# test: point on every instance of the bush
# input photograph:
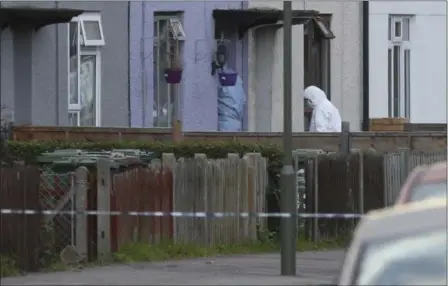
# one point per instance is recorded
(28, 151)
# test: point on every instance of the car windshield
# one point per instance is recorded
(429, 190)
(412, 260)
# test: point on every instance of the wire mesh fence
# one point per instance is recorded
(58, 229)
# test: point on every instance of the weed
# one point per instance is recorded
(8, 266)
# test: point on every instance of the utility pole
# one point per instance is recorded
(288, 181)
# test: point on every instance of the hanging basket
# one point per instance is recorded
(173, 75)
(227, 79)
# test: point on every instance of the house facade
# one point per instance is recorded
(407, 60)
(152, 99)
(333, 63)
(64, 63)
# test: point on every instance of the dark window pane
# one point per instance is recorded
(396, 83)
(389, 81)
(407, 82)
(398, 29)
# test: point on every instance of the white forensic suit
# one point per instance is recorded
(325, 116)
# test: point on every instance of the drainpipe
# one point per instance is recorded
(1, 33)
(56, 76)
(129, 65)
(142, 64)
(245, 115)
(365, 65)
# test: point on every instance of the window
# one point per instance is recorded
(176, 29)
(168, 36)
(317, 36)
(92, 30)
(85, 39)
(399, 60)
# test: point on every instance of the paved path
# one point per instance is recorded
(312, 268)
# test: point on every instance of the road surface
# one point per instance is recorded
(312, 268)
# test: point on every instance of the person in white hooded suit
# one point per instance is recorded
(325, 116)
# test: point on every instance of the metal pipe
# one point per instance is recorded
(365, 64)
(56, 70)
(129, 67)
(142, 64)
(288, 194)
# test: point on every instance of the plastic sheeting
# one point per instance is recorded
(231, 100)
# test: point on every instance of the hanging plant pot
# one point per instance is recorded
(227, 79)
(173, 75)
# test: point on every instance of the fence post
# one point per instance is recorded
(345, 138)
(405, 164)
(103, 205)
(169, 161)
(253, 159)
(81, 185)
(201, 163)
(361, 181)
(316, 199)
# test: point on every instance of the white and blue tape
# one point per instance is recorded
(180, 214)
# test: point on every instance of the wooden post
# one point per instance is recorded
(81, 177)
(103, 205)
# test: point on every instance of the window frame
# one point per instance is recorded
(78, 114)
(83, 50)
(172, 90)
(91, 17)
(405, 47)
(175, 22)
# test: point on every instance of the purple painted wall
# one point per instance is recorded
(198, 89)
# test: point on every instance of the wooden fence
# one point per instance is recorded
(142, 189)
(225, 185)
(20, 234)
(380, 141)
(341, 184)
(190, 185)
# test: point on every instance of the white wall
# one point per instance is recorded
(428, 58)
(266, 94)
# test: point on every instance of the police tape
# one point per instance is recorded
(179, 214)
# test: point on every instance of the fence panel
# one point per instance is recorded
(55, 193)
(233, 184)
(337, 192)
(398, 165)
(20, 234)
(142, 189)
(373, 181)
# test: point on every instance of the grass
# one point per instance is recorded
(168, 250)
(8, 267)
(138, 252)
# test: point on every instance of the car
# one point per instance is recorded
(424, 182)
(401, 245)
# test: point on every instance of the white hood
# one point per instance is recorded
(326, 117)
(315, 95)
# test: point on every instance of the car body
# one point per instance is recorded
(401, 245)
(424, 182)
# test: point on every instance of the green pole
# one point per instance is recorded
(288, 181)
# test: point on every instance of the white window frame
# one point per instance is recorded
(172, 21)
(403, 45)
(77, 112)
(84, 50)
(177, 28)
(91, 18)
